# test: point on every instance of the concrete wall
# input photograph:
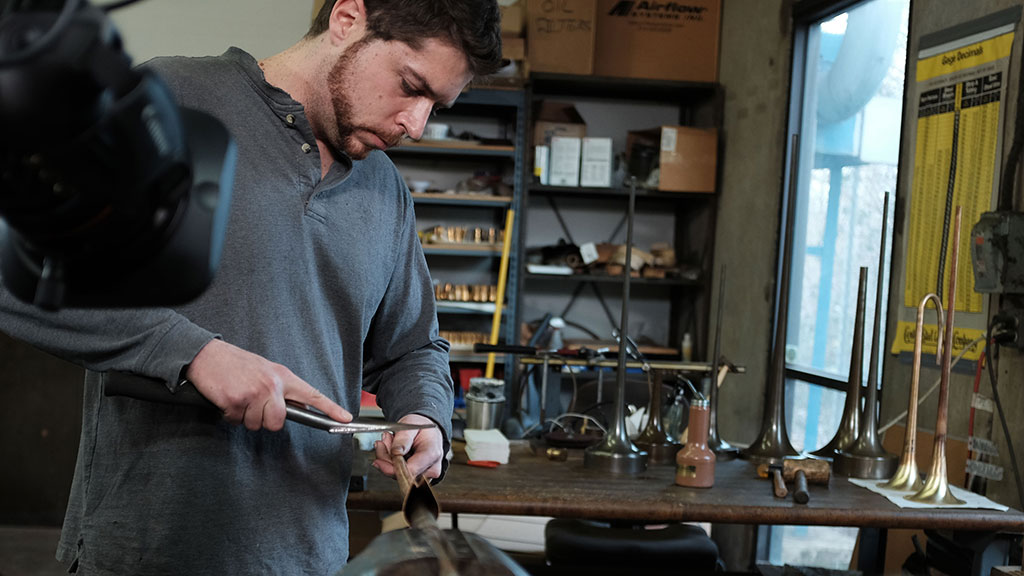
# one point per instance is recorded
(202, 27)
(754, 72)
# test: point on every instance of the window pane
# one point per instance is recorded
(849, 151)
(820, 546)
(850, 116)
(816, 414)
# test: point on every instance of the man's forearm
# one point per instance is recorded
(156, 342)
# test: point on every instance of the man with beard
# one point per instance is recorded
(322, 291)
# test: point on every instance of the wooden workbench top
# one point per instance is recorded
(532, 485)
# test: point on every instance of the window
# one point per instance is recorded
(847, 107)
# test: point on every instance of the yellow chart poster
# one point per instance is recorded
(960, 91)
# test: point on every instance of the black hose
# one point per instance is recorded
(1002, 417)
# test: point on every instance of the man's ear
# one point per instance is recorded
(346, 17)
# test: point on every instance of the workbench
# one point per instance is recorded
(532, 485)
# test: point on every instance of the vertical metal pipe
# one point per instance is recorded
(720, 447)
(866, 458)
(616, 453)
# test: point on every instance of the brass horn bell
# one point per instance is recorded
(936, 486)
(907, 478)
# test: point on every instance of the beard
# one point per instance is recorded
(341, 85)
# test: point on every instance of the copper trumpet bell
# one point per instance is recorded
(907, 478)
(936, 486)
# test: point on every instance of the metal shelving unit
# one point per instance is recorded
(616, 280)
(504, 109)
(452, 149)
(700, 104)
(439, 199)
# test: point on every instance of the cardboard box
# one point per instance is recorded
(541, 156)
(658, 40)
(513, 48)
(687, 158)
(596, 163)
(565, 161)
(560, 35)
(556, 119)
(513, 18)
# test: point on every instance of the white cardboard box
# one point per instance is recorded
(596, 166)
(541, 155)
(565, 161)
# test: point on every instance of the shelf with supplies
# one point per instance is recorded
(616, 192)
(454, 199)
(488, 251)
(465, 176)
(545, 84)
(453, 148)
(616, 280)
(633, 127)
(471, 358)
(445, 307)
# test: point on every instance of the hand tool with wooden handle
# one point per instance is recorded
(778, 485)
(800, 494)
(803, 471)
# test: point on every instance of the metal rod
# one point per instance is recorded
(617, 453)
(720, 447)
(561, 221)
(544, 390)
(866, 458)
(604, 306)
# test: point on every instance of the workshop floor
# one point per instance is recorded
(29, 551)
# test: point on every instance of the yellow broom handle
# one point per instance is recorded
(506, 249)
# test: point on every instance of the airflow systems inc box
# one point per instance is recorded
(659, 40)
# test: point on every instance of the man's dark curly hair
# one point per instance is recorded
(473, 26)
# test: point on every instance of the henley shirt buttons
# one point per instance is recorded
(306, 147)
(290, 118)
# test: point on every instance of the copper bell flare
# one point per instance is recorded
(936, 486)
(907, 478)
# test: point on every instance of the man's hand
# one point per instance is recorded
(252, 390)
(424, 444)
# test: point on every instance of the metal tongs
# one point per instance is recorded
(313, 419)
(153, 390)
